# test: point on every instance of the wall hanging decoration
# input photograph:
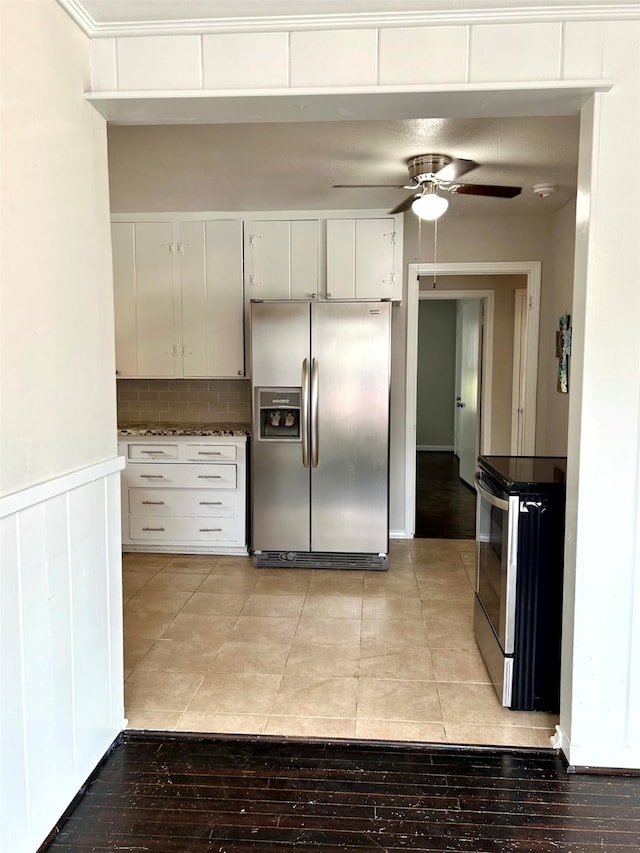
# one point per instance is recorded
(563, 351)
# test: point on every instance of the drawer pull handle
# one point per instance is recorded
(209, 453)
(210, 503)
(153, 503)
(209, 476)
(155, 529)
(210, 530)
(152, 476)
(154, 452)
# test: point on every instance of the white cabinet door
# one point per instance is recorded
(124, 297)
(341, 258)
(225, 321)
(155, 321)
(304, 258)
(362, 259)
(374, 253)
(210, 255)
(268, 257)
(178, 298)
(282, 259)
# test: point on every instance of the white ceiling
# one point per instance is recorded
(276, 161)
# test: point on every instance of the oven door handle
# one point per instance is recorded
(499, 503)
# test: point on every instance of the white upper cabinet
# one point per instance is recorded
(281, 259)
(364, 258)
(178, 298)
(212, 303)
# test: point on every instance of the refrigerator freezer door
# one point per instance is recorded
(350, 343)
(280, 482)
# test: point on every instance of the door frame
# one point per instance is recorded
(532, 270)
(518, 371)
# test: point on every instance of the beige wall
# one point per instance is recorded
(436, 368)
(557, 298)
(546, 238)
(57, 358)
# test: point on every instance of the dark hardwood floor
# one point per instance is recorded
(445, 506)
(173, 794)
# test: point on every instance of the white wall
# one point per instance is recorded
(61, 627)
(600, 701)
(58, 385)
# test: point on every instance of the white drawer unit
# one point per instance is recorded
(184, 494)
(182, 476)
(210, 452)
(185, 502)
(188, 530)
(148, 452)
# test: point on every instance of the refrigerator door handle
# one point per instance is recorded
(304, 413)
(314, 412)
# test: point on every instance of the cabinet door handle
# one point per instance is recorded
(152, 476)
(209, 453)
(209, 476)
(153, 503)
(154, 452)
(210, 503)
(154, 529)
(210, 530)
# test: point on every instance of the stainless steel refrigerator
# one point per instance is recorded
(320, 434)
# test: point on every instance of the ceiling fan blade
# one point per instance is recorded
(484, 189)
(404, 205)
(364, 186)
(455, 169)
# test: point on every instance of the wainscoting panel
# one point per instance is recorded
(61, 684)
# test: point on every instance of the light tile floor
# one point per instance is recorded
(213, 644)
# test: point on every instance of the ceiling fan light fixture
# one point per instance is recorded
(429, 206)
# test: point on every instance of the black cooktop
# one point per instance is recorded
(522, 472)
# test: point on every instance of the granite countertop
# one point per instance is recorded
(218, 429)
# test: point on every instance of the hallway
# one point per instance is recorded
(214, 645)
(445, 505)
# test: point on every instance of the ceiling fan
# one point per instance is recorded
(430, 173)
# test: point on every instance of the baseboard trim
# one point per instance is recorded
(398, 534)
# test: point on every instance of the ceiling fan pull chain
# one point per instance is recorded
(435, 250)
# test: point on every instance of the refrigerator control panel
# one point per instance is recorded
(279, 413)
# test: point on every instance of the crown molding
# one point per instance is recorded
(491, 12)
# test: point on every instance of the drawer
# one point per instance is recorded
(153, 451)
(179, 476)
(166, 528)
(184, 502)
(202, 452)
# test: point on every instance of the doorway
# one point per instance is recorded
(448, 415)
(494, 428)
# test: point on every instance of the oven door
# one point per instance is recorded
(497, 552)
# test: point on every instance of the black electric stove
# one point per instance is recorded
(516, 474)
(518, 606)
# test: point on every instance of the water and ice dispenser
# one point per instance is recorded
(279, 413)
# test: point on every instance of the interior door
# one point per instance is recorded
(469, 319)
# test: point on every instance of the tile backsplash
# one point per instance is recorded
(183, 400)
